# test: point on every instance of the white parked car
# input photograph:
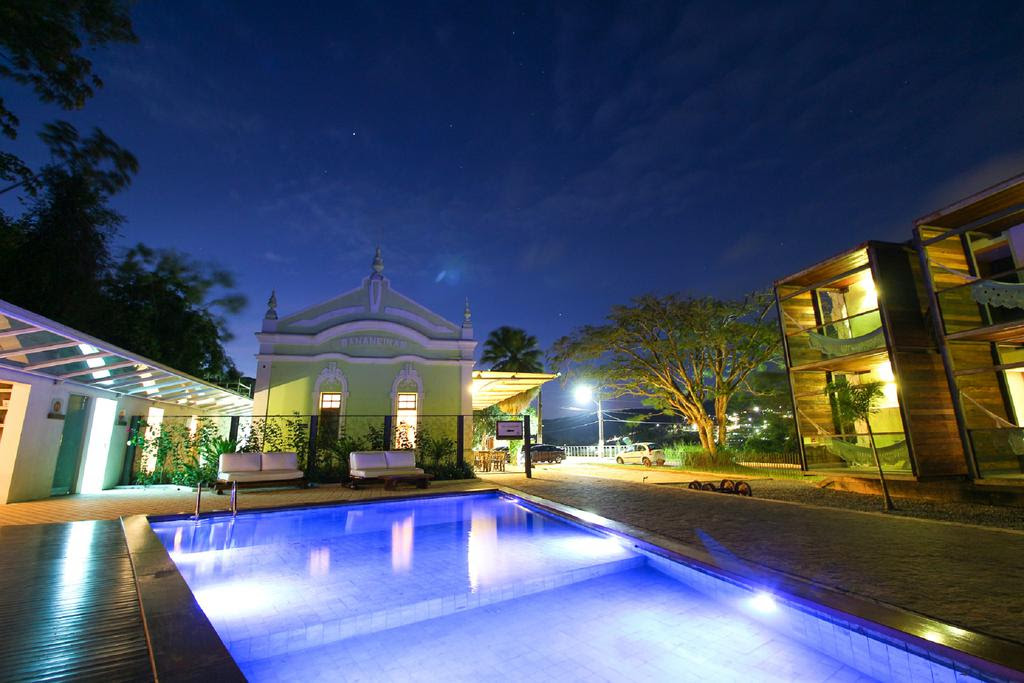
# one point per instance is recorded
(642, 454)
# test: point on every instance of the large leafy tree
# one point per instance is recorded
(57, 260)
(688, 356)
(510, 349)
(55, 257)
(42, 46)
(172, 309)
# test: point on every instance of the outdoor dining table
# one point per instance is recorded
(489, 461)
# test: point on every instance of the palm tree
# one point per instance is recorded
(855, 402)
(510, 349)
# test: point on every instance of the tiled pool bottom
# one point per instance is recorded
(634, 625)
(476, 585)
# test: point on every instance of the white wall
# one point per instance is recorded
(28, 455)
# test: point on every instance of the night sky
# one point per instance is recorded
(546, 162)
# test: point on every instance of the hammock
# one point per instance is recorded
(833, 347)
(895, 455)
(1004, 294)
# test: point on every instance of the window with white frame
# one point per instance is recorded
(405, 420)
(330, 412)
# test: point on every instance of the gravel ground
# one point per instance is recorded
(966, 513)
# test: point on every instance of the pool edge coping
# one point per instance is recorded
(182, 642)
(989, 654)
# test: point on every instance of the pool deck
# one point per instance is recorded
(71, 610)
(964, 575)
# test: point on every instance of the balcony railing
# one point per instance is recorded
(858, 333)
(979, 303)
(609, 451)
(853, 451)
(999, 452)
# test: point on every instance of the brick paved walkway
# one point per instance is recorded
(964, 575)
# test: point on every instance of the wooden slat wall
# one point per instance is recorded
(900, 289)
(959, 310)
(931, 420)
(814, 410)
(983, 387)
(798, 314)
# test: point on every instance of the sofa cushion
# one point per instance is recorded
(377, 472)
(401, 458)
(279, 461)
(264, 475)
(363, 460)
(239, 462)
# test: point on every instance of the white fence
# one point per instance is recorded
(609, 451)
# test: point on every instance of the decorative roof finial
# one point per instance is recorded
(378, 264)
(272, 306)
(467, 315)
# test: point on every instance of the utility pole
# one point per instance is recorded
(540, 416)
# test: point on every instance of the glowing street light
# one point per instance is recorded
(585, 394)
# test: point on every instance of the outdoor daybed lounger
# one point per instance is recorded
(391, 467)
(259, 469)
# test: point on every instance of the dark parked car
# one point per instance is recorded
(542, 452)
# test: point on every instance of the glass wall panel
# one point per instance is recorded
(845, 337)
(831, 443)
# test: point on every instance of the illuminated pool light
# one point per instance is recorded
(763, 603)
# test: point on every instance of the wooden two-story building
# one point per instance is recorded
(939, 321)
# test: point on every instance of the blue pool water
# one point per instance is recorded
(474, 587)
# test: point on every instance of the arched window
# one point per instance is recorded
(406, 411)
(330, 392)
(330, 413)
(406, 392)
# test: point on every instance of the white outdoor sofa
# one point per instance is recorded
(259, 469)
(391, 467)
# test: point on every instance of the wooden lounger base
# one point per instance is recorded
(221, 485)
(391, 481)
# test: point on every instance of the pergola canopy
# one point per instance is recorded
(490, 387)
(39, 346)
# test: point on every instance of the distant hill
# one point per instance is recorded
(637, 424)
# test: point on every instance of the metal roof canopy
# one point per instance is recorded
(490, 387)
(42, 347)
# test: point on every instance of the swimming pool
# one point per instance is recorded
(486, 585)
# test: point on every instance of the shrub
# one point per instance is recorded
(430, 450)
(180, 455)
(448, 470)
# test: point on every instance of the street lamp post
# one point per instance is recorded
(585, 394)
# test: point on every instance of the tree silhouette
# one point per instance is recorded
(510, 349)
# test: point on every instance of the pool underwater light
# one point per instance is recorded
(763, 603)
